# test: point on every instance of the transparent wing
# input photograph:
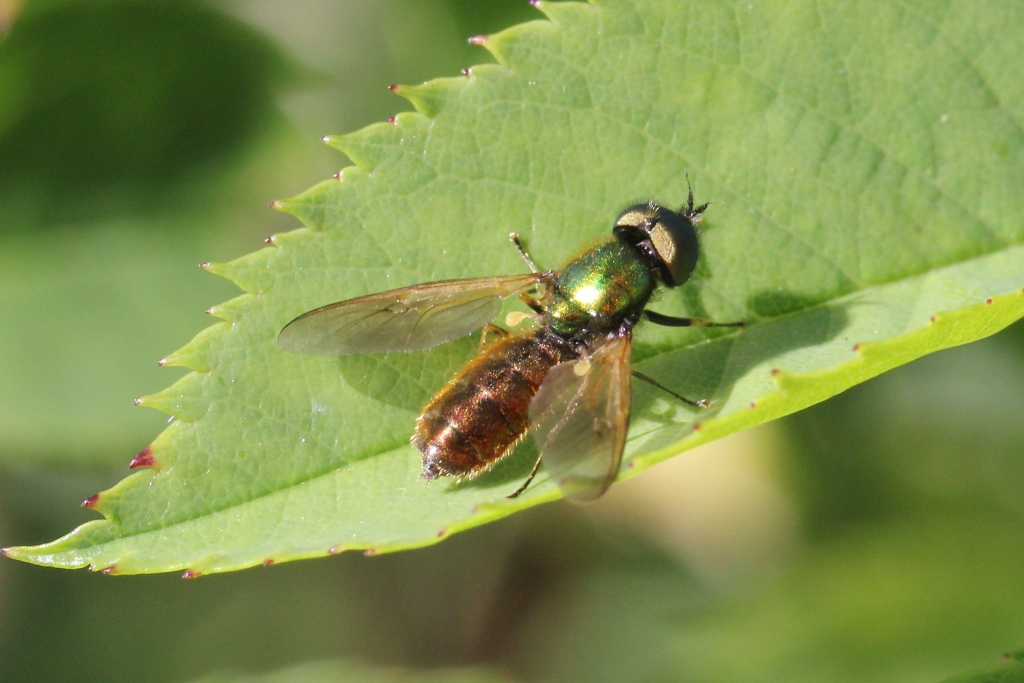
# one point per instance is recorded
(580, 417)
(408, 319)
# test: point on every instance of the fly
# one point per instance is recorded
(568, 379)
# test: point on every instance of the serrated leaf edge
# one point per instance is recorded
(873, 359)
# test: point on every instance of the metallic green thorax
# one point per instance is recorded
(598, 290)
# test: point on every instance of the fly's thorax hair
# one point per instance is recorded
(666, 239)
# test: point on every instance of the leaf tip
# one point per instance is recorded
(191, 574)
(109, 571)
(144, 458)
(479, 40)
(427, 98)
(267, 562)
(247, 273)
(284, 205)
(334, 550)
(183, 357)
(370, 552)
(540, 6)
(91, 502)
(215, 268)
(194, 355)
(442, 533)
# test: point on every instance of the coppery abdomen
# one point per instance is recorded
(483, 411)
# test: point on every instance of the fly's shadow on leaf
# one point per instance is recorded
(711, 370)
(406, 380)
(777, 303)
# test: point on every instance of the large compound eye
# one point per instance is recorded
(638, 217)
(675, 241)
(671, 235)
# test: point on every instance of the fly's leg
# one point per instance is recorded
(515, 318)
(534, 305)
(514, 236)
(491, 328)
(672, 321)
(542, 288)
(702, 403)
(525, 484)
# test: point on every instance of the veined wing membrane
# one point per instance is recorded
(580, 417)
(408, 319)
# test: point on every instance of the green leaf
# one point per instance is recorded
(139, 79)
(340, 671)
(1010, 671)
(866, 161)
(80, 345)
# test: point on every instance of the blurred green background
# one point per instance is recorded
(875, 537)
